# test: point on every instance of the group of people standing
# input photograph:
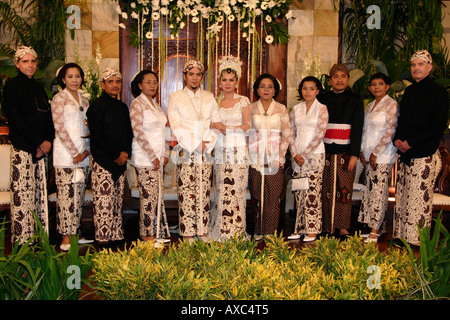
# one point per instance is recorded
(225, 145)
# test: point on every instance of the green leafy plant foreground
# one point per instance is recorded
(36, 271)
(331, 269)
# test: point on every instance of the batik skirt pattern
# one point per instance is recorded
(309, 205)
(228, 217)
(150, 189)
(194, 194)
(108, 200)
(337, 192)
(414, 197)
(28, 195)
(266, 199)
(69, 200)
(374, 204)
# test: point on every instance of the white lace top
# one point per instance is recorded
(380, 123)
(235, 138)
(70, 127)
(270, 135)
(308, 130)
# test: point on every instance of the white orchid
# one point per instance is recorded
(134, 15)
(155, 16)
(289, 14)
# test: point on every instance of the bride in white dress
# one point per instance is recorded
(230, 168)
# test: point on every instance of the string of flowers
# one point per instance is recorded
(181, 12)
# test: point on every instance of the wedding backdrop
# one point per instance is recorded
(162, 35)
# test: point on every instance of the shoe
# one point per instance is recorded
(364, 235)
(294, 236)
(84, 241)
(369, 240)
(308, 239)
(65, 247)
(159, 240)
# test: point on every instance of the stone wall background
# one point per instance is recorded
(314, 44)
(99, 26)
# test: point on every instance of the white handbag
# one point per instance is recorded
(78, 175)
(300, 183)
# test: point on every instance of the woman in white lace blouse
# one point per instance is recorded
(228, 218)
(70, 150)
(378, 154)
(150, 153)
(309, 121)
(268, 143)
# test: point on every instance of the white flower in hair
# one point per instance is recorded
(231, 62)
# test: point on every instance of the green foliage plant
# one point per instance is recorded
(36, 271)
(330, 269)
(433, 263)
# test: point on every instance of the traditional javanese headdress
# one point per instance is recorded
(230, 62)
(423, 55)
(339, 67)
(109, 72)
(22, 51)
(193, 64)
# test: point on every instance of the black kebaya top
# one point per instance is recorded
(29, 114)
(110, 132)
(423, 118)
(345, 122)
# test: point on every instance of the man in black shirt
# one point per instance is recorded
(342, 145)
(31, 132)
(422, 120)
(110, 141)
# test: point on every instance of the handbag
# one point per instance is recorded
(78, 175)
(300, 183)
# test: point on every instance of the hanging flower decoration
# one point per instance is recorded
(142, 13)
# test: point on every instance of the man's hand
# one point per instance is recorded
(403, 146)
(352, 163)
(122, 159)
(43, 149)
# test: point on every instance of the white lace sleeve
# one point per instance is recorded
(58, 121)
(136, 118)
(321, 128)
(391, 125)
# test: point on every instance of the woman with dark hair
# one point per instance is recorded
(378, 154)
(150, 153)
(228, 214)
(309, 120)
(70, 151)
(268, 143)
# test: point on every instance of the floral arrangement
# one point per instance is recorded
(179, 13)
(91, 88)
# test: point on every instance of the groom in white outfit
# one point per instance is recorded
(191, 111)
